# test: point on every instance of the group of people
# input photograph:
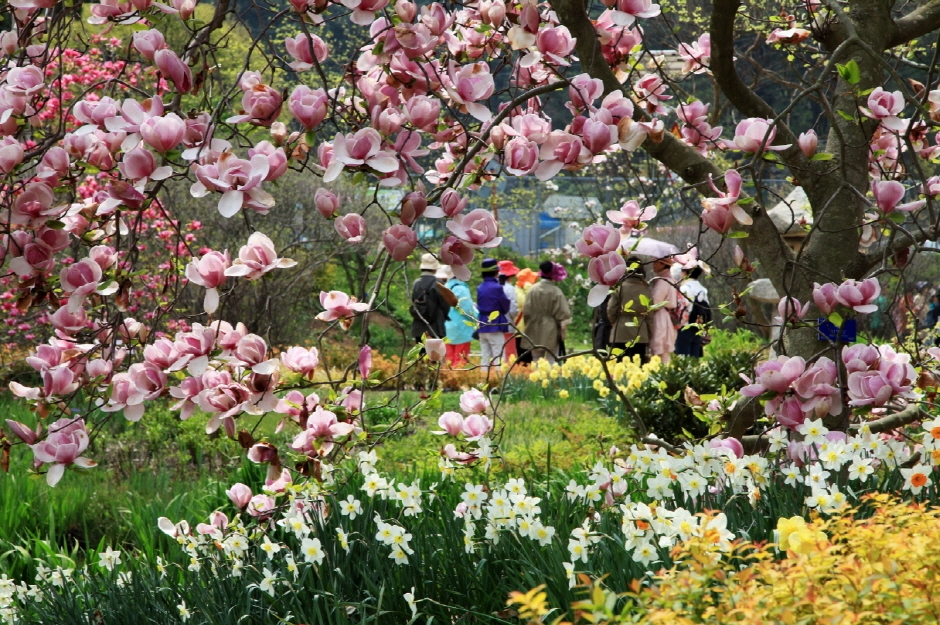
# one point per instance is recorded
(518, 313)
(659, 317)
(521, 314)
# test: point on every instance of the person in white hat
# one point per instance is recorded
(429, 308)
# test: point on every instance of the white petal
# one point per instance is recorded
(479, 111)
(211, 302)
(55, 474)
(231, 202)
(597, 295)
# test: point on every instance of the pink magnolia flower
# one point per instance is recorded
(139, 165)
(322, 431)
(458, 255)
(606, 270)
(720, 213)
(476, 426)
(365, 361)
(277, 159)
(11, 154)
(808, 142)
(869, 388)
(789, 36)
(80, 280)
(25, 434)
(520, 156)
(696, 55)
(467, 84)
(300, 360)
(775, 376)
(754, 132)
(400, 241)
(627, 11)
(58, 381)
(362, 148)
(584, 90)
(887, 195)
(630, 216)
(555, 44)
(224, 402)
(34, 206)
(364, 10)
(209, 272)
(412, 207)
(257, 258)
(327, 202)
(24, 81)
(147, 42)
(66, 441)
(474, 402)
(733, 445)
(562, 150)
(819, 388)
(859, 296)
(305, 49)
(450, 423)
(598, 134)
(435, 349)
(652, 93)
(825, 297)
(422, 111)
(240, 495)
(351, 227)
(163, 133)
(125, 396)
(477, 229)
(173, 68)
(789, 412)
(598, 239)
(261, 106)
(338, 305)
(885, 106)
(261, 506)
(308, 106)
(789, 309)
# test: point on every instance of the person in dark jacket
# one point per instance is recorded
(429, 309)
(627, 310)
(690, 338)
(491, 298)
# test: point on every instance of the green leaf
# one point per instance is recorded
(822, 156)
(55, 224)
(850, 72)
(897, 218)
(745, 201)
(845, 115)
(835, 319)
(493, 315)
(737, 235)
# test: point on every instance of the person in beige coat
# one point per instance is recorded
(546, 315)
(630, 329)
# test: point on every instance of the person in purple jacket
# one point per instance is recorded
(491, 299)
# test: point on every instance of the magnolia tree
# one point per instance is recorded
(436, 101)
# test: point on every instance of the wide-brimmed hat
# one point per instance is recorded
(507, 268)
(444, 273)
(526, 277)
(489, 264)
(429, 263)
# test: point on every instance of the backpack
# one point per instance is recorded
(422, 309)
(681, 313)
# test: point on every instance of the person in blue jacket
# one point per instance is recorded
(491, 298)
(461, 321)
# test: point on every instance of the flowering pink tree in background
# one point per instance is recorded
(437, 100)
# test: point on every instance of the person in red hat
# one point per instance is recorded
(507, 272)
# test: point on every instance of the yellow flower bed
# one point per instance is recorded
(628, 374)
(840, 571)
